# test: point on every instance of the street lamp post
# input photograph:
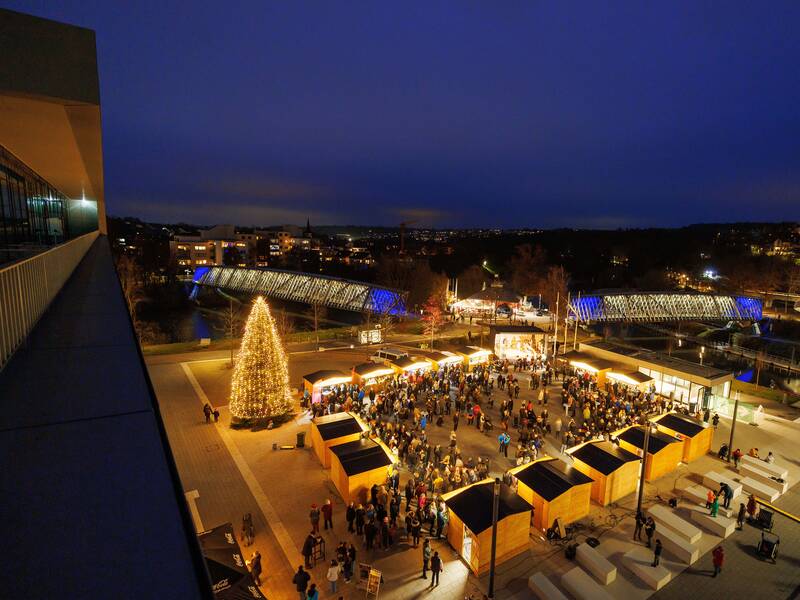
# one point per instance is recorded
(644, 464)
(733, 425)
(495, 511)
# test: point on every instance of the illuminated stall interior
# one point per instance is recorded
(517, 341)
(473, 355)
(331, 430)
(371, 374)
(444, 359)
(583, 362)
(411, 365)
(664, 452)
(469, 529)
(319, 383)
(697, 436)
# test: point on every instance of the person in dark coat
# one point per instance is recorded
(637, 531)
(649, 530)
(350, 515)
(657, 553)
(369, 533)
(255, 567)
(436, 568)
(300, 581)
(308, 548)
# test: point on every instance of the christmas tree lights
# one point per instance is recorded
(260, 383)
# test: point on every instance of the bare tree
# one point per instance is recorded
(232, 322)
(131, 280)
(316, 313)
(283, 323)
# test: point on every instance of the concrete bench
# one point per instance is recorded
(676, 545)
(720, 525)
(712, 480)
(543, 588)
(597, 564)
(772, 469)
(664, 517)
(699, 494)
(762, 490)
(582, 587)
(765, 477)
(639, 562)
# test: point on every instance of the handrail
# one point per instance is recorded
(28, 286)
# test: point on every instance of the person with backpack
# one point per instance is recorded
(300, 581)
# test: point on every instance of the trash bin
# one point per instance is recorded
(301, 439)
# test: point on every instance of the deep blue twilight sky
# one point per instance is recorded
(540, 114)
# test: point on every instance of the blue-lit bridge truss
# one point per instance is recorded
(664, 306)
(308, 288)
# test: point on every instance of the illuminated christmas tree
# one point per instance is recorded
(260, 384)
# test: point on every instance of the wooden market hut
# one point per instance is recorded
(555, 490)
(615, 471)
(469, 529)
(357, 466)
(597, 367)
(697, 436)
(318, 382)
(369, 374)
(331, 430)
(443, 358)
(473, 355)
(664, 452)
(410, 365)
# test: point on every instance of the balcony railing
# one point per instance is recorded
(27, 288)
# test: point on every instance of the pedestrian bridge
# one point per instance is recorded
(652, 307)
(308, 288)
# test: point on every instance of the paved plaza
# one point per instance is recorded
(237, 471)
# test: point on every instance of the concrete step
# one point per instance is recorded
(676, 546)
(712, 479)
(772, 469)
(639, 561)
(582, 587)
(665, 518)
(697, 495)
(543, 588)
(762, 490)
(765, 477)
(596, 564)
(720, 525)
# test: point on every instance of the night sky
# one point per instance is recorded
(503, 114)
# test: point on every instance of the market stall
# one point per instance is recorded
(469, 529)
(517, 341)
(555, 490)
(230, 579)
(615, 471)
(626, 376)
(319, 383)
(697, 436)
(664, 452)
(586, 363)
(371, 374)
(357, 466)
(473, 355)
(443, 359)
(411, 365)
(331, 430)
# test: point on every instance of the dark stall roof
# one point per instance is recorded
(323, 375)
(551, 478)
(684, 425)
(473, 505)
(368, 367)
(603, 456)
(361, 456)
(658, 441)
(335, 426)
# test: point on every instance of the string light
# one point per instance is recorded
(260, 383)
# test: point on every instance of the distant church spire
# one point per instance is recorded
(308, 227)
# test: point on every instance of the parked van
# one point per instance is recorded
(385, 355)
